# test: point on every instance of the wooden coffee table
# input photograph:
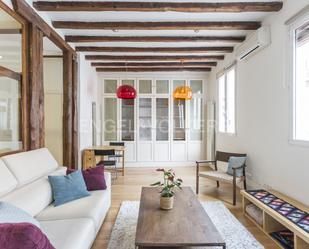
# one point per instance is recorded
(187, 224)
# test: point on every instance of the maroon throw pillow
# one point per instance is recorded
(94, 178)
(23, 236)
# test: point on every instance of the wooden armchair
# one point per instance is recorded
(220, 176)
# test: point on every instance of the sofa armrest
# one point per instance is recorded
(108, 179)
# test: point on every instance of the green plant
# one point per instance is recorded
(169, 183)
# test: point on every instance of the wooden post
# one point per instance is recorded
(75, 115)
(36, 88)
(67, 108)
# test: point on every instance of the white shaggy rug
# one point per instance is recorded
(232, 231)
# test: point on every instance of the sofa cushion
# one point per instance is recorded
(23, 235)
(70, 233)
(33, 197)
(11, 214)
(7, 181)
(68, 188)
(94, 207)
(31, 165)
(94, 178)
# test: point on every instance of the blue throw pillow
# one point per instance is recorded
(235, 162)
(12, 214)
(68, 188)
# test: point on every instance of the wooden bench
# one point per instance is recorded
(273, 221)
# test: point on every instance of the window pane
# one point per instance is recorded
(110, 86)
(179, 120)
(145, 86)
(162, 119)
(145, 120)
(127, 82)
(302, 83)
(196, 86)
(178, 83)
(110, 119)
(230, 101)
(162, 86)
(222, 104)
(11, 44)
(196, 121)
(10, 115)
(127, 116)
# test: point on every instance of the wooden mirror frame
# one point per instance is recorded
(22, 77)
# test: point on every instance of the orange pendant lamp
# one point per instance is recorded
(182, 92)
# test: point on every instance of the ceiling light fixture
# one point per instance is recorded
(115, 30)
(1, 56)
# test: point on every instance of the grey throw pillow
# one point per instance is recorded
(235, 162)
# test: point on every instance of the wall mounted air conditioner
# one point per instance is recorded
(254, 43)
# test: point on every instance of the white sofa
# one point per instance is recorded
(24, 183)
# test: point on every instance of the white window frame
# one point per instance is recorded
(224, 74)
(293, 25)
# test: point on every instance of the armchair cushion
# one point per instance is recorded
(236, 162)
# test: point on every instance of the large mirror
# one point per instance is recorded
(10, 84)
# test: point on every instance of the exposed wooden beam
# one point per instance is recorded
(158, 6)
(158, 25)
(154, 64)
(154, 69)
(181, 58)
(226, 39)
(10, 31)
(5, 72)
(157, 49)
(28, 13)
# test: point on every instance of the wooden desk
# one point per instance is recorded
(89, 158)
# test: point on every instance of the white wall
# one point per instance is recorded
(88, 93)
(53, 104)
(263, 109)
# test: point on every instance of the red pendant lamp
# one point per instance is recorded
(126, 92)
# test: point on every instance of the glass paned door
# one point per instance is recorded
(127, 82)
(127, 119)
(145, 119)
(178, 83)
(196, 86)
(196, 119)
(162, 86)
(179, 123)
(145, 86)
(110, 119)
(110, 86)
(162, 119)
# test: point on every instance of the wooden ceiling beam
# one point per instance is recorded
(154, 64)
(158, 6)
(226, 39)
(153, 69)
(181, 58)
(157, 49)
(157, 25)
